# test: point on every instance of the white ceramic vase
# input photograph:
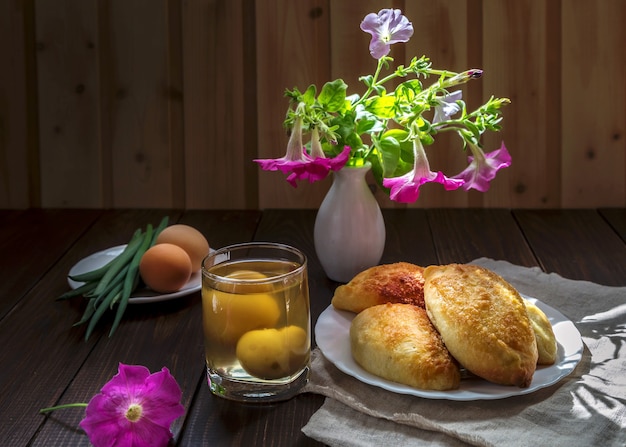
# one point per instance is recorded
(349, 232)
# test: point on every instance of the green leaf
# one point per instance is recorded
(309, 95)
(398, 134)
(353, 140)
(427, 139)
(368, 80)
(367, 125)
(333, 95)
(382, 106)
(377, 170)
(408, 90)
(390, 149)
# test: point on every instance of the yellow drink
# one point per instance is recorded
(256, 325)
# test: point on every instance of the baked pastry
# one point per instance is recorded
(483, 321)
(544, 334)
(401, 282)
(398, 342)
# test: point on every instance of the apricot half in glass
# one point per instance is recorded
(227, 316)
(273, 353)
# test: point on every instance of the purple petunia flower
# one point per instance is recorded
(405, 189)
(483, 167)
(447, 106)
(387, 27)
(135, 408)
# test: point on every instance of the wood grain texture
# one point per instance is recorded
(68, 90)
(516, 39)
(292, 51)
(215, 105)
(50, 337)
(137, 103)
(616, 217)
(594, 67)
(468, 234)
(563, 238)
(29, 242)
(442, 31)
(143, 97)
(50, 363)
(16, 166)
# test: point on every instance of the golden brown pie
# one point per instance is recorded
(401, 282)
(544, 334)
(399, 343)
(483, 321)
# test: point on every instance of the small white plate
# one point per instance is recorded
(101, 258)
(332, 333)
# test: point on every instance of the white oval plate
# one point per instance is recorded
(332, 333)
(101, 258)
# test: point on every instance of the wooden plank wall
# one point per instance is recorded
(164, 103)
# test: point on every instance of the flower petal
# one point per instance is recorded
(316, 145)
(405, 189)
(128, 380)
(338, 162)
(102, 421)
(308, 168)
(161, 404)
(387, 27)
(145, 434)
(399, 27)
(158, 395)
(279, 164)
(483, 168)
(447, 106)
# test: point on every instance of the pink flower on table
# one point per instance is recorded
(483, 167)
(405, 189)
(387, 27)
(135, 408)
(297, 164)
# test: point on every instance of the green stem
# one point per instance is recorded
(59, 407)
(376, 82)
(371, 87)
(387, 79)
(446, 73)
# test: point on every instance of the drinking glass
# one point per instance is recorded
(256, 321)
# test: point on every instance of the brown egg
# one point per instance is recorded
(165, 268)
(187, 238)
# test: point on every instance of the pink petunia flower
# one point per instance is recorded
(294, 155)
(387, 27)
(135, 408)
(298, 165)
(314, 169)
(405, 189)
(483, 167)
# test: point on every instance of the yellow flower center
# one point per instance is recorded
(133, 414)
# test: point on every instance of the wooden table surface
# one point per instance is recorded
(45, 361)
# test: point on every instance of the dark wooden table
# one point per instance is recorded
(45, 361)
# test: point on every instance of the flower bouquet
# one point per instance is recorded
(390, 129)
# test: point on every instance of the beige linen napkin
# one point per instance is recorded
(586, 408)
